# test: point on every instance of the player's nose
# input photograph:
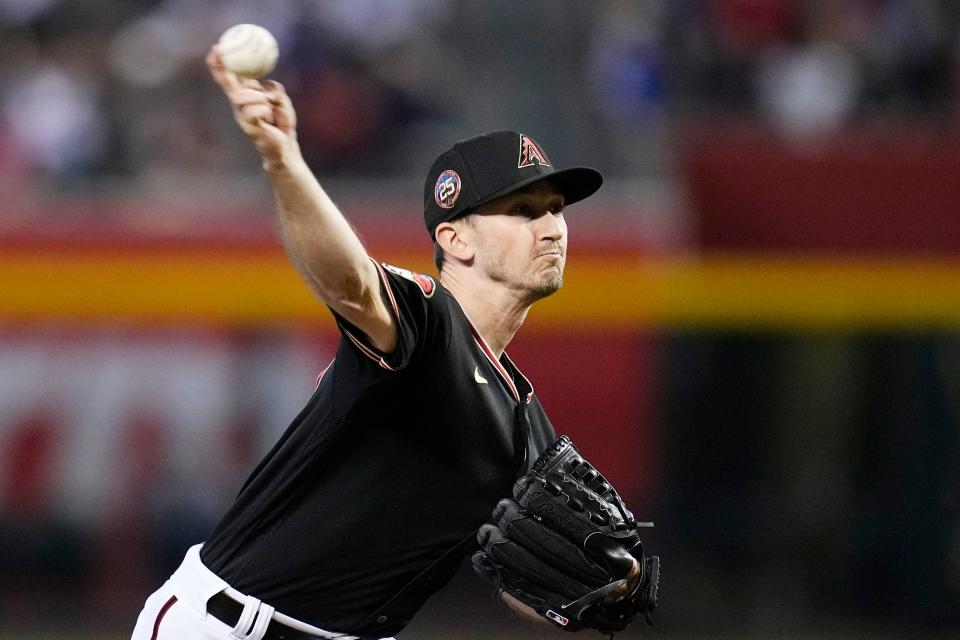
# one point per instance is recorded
(551, 226)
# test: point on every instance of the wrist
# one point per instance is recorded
(283, 162)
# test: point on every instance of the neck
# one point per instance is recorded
(495, 311)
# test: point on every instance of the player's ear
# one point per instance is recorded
(454, 242)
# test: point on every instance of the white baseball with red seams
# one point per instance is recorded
(248, 50)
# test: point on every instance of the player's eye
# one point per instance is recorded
(522, 209)
(556, 209)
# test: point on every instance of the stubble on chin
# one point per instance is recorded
(543, 284)
(547, 285)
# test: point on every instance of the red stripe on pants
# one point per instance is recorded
(163, 612)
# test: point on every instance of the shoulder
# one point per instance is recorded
(426, 284)
(422, 305)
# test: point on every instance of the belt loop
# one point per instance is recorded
(264, 617)
(250, 608)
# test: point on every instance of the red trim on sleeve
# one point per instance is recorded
(364, 349)
(367, 351)
(386, 282)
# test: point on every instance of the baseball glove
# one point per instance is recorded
(565, 543)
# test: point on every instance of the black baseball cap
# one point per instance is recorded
(485, 167)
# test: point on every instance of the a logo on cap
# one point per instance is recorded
(531, 154)
(446, 189)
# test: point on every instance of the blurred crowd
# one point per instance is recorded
(116, 90)
(805, 476)
(811, 66)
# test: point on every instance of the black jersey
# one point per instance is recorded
(393, 462)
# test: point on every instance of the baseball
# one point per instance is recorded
(248, 50)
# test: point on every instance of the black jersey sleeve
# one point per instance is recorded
(408, 298)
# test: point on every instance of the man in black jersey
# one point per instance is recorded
(336, 533)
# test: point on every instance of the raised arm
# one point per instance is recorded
(319, 240)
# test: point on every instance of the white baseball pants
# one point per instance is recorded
(178, 610)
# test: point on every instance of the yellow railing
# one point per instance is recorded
(713, 291)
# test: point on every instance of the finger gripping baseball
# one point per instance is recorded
(568, 547)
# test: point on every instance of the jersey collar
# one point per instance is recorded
(527, 391)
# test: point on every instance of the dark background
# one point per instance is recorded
(758, 341)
